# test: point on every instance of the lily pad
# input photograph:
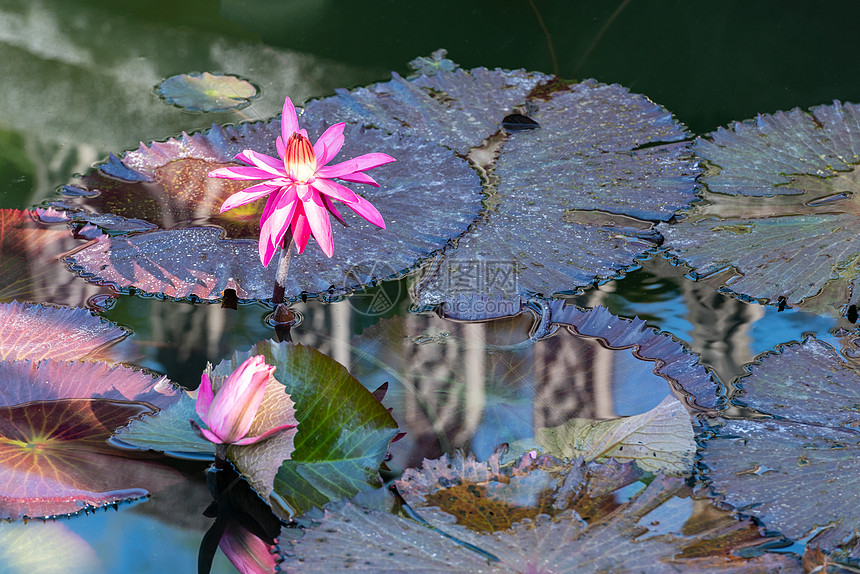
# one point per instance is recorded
(537, 516)
(797, 472)
(207, 92)
(30, 266)
(40, 547)
(778, 220)
(343, 431)
(33, 331)
(573, 202)
(165, 186)
(55, 419)
(658, 440)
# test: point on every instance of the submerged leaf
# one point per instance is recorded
(537, 516)
(343, 432)
(32, 331)
(30, 266)
(778, 220)
(207, 92)
(164, 185)
(797, 472)
(39, 547)
(660, 439)
(574, 202)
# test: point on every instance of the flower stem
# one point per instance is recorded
(283, 267)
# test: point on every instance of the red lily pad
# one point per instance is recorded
(164, 186)
(207, 92)
(72, 333)
(536, 516)
(778, 221)
(55, 419)
(30, 262)
(797, 471)
(574, 202)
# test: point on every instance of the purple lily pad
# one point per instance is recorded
(30, 266)
(574, 202)
(458, 109)
(207, 92)
(536, 516)
(797, 472)
(164, 186)
(778, 220)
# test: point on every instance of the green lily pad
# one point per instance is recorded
(343, 431)
(535, 516)
(778, 220)
(797, 471)
(207, 92)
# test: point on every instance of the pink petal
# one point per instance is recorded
(248, 553)
(268, 433)
(236, 403)
(335, 190)
(320, 224)
(282, 216)
(266, 249)
(329, 144)
(289, 121)
(248, 195)
(329, 204)
(272, 166)
(211, 436)
(366, 210)
(359, 177)
(240, 172)
(301, 229)
(281, 147)
(350, 166)
(204, 397)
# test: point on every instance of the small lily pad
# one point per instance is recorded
(778, 220)
(797, 472)
(207, 92)
(164, 186)
(536, 516)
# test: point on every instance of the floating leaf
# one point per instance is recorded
(165, 184)
(797, 471)
(660, 439)
(537, 516)
(207, 92)
(30, 266)
(778, 218)
(169, 432)
(343, 431)
(32, 331)
(458, 109)
(575, 202)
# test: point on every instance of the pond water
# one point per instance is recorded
(79, 83)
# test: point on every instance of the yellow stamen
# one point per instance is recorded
(300, 159)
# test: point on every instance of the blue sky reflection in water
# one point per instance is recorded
(70, 96)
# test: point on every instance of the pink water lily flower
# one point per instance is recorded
(229, 412)
(300, 186)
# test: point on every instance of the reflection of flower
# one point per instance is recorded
(248, 553)
(303, 186)
(229, 413)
